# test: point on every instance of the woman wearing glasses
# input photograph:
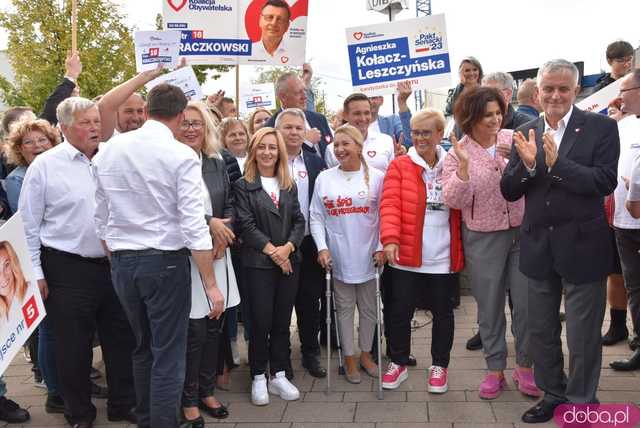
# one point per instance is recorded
(421, 238)
(204, 334)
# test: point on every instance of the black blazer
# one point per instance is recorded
(564, 228)
(231, 163)
(316, 120)
(258, 222)
(214, 173)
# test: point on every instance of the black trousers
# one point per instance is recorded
(310, 291)
(628, 242)
(81, 299)
(439, 290)
(203, 346)
(271, 298)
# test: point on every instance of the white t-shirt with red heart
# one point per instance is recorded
(378, 152)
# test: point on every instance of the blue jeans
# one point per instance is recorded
(47, 356)
(155, 290)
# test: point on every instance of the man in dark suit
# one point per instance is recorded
(564, 163)
(290, 90)
(304, 167)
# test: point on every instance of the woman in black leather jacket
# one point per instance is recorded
(204, 334)
(271, 226)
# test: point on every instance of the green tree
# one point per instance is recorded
(202, 72)
(40, 38)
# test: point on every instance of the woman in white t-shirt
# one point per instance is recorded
(271, 227)
(344, 224)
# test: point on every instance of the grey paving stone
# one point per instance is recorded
(424, 396)
(332, 425)
(510, 412)
(319, 412)
(392, 412)
(456, 412)
(351, 397)
(323, 397)
(247, 412)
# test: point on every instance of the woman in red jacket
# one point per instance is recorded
(421, 238)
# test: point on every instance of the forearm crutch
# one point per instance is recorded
(379, 326)
(327, 277)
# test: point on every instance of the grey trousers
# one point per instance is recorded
(584, 306)
(628, 241)
(492, 260)
(348, 296)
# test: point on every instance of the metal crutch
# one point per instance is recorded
(327, 277)
(379, 325)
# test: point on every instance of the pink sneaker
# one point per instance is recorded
(437, 380)
(394, 376)
(525, 382)
(491, 387)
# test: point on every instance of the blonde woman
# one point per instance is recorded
(258, 119)
(344, 225)
(13, 285)
(205, 343)
(271, 227)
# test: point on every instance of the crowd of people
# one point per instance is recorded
(154, 224)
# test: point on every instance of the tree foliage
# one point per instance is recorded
(40, 38)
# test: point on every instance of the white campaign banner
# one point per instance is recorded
(184, 78)
(21, 307)
(257, 95)
(239, 31)
(413, 50)
(598, 102)
(156, 47)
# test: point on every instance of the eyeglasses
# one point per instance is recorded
(622, 91)
(416, 134)
(40, 141)
(195, 124)
(274, 18)
(622, 60)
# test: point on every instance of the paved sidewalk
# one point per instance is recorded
(356, 406)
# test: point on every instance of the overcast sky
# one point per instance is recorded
(503, 34)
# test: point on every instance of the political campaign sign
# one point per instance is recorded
(21, 307)
(184, 78)
(412, 50)
(598, 102)
(258, 32)
(257, 95)
(156, 47)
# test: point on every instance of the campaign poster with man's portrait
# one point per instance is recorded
(259, 32)
(21, 307)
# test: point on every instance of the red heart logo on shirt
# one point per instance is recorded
(371, 153)
(177, 4)
(302, 174)
(284, 59)
(358, 35)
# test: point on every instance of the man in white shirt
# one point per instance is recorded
(57, 206)
(274, 22)
(627, 226)
(378, 150)
(149, 214)
(304, 167)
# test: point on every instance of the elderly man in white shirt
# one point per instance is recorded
(73, 273)
(150, 216)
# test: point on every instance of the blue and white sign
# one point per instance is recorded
(184, 78)
(256, 96)
(156, 47)
(598, 102)
(412, 50)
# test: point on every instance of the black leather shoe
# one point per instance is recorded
(634, 342)
(54, 404)
(474, 343)
(312, 364)
(215, 412)
(412, 362)
(192, 423)
(541, 412)
(98, 391)
(127, 415)
(632, 363)
(615, 335)
(11, 412)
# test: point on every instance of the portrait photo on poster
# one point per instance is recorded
(21, 306)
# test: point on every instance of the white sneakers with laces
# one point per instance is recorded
(259, 394)
(280, 385)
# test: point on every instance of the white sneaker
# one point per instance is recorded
(281, 386)
(259, 394)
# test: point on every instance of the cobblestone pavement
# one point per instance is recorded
(356, 406)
